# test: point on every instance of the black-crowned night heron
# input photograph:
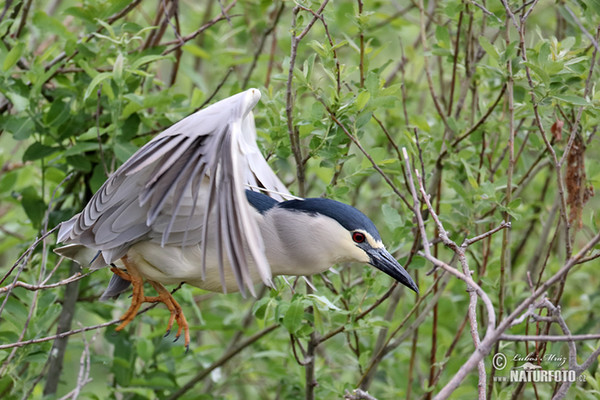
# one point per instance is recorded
(201, 190)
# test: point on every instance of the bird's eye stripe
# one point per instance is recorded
(358, 237)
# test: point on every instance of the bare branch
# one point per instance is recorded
(503, 225)
(60, 335)
(31, 287)
(180, 42)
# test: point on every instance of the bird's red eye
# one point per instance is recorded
(358, 237)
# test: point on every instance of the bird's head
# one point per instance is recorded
(344, 234)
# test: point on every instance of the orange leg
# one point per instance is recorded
(137, 281)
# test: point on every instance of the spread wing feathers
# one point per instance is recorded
(171, 188)
(256, 175)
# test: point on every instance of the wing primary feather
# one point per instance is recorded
(165, 193)
(196, 191)
(207, 210)
(249, 227)
(219, 252)
(149, 187)
(149, 154)
(237, 231)
(226, 229)
(228, 206)
(211, 199)
(176, 155)
(182, 186)
(235, 205)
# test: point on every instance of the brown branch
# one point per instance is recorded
(549, 338)
(289, 102)
(361, 36)
(214, 93)
(58, 336)
(23, 18)
(503, 225)
(28, 286)
(426, 50)
(260, 46)
(26, 254)
(178, 43)
(482, 119)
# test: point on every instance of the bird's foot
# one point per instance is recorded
(176, 311)
(137, 281)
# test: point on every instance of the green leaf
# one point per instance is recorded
(470, 176)
(81, 147)
(34, 206)
(539, 71)
(37, 151)
(21, 128)
(118, 68)
(147, 59)
(544, 54)
(13, 56)
(322, 301)
(95, 82)
(362, 99)
(144, 349)
(59, 112)
(196, 51)
(293, 317)
(80, 163)
(443, 36)
(98, 178)
(19, 102)
(392, 217)
(572, 99)
(363, 119)
(124, 150)
(52, 25)
(594, 5)
(489, 47)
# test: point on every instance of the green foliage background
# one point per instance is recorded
(84, 84)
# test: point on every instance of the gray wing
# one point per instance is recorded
(168, 190)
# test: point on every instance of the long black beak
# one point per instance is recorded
(383, 261)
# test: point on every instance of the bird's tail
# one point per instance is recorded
(82, 255)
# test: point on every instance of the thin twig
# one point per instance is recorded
(179, 42)
(28, 286)
(260, 46)
(60, 335)
(214, 93)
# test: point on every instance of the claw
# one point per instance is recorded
(137, 281)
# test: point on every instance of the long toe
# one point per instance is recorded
(176, 312)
